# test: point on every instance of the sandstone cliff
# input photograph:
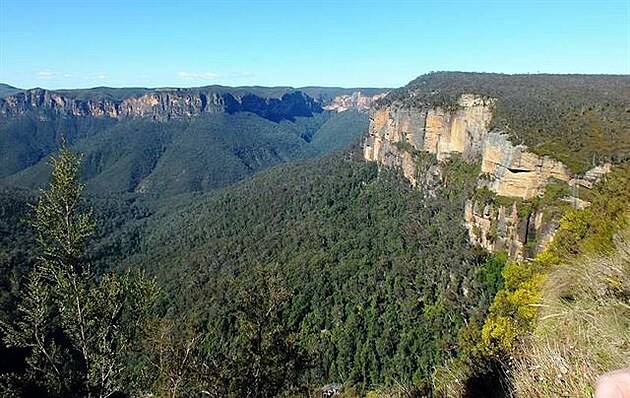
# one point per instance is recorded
(438, 131)
(398, 132)
(510, 170)
(162, 104)
(501, 228)
(356, 100)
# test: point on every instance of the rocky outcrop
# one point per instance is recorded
(398, 130)
(591, 176)
(390, 129)
(357, 101)
(400, 133)
(510, 170)
(462, 130)
(501, 228)
(162, 104)
(518, 229)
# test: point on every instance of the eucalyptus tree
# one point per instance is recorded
(79, 328)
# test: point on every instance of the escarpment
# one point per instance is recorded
(511, 170)
(162, 104)
(399, 133)
(398, 130)
(175, 140)
(357, 100)
(514, 228)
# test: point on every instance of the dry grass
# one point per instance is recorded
(583, 328)
(398, 391)
(450, 380)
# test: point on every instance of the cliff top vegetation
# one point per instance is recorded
(581, 120)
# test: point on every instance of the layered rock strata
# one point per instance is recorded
(357, 101)
(162, 104)
(398, 133)
(510, 170)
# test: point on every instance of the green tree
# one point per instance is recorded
(264, 358)
(79, 327)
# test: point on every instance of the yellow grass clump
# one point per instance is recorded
(583, 328)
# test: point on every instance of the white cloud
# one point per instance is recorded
(197, 75)
(94, 76)
(48, 74)
(240, 75)
(51, 74)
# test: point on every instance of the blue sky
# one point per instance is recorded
(71, 43)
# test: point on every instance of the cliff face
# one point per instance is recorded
(509, 170)
(162, 104)
(356, 100)
(395, 129)
(398, 132)
(518, 229)
(501, 228)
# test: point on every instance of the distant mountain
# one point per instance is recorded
(161, 104)
(326, 95)
(274, 103)
(6, 90)
(172, 140)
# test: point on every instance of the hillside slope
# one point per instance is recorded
(7, 90)
(381, 280)
(507, 124)
(552, 154)
(168, 141)
(376, 273)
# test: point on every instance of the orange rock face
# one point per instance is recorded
(438, 131)
(397, 132)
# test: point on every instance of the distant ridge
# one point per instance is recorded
(7, 90)
(320, 93)
(272, 103)
(172, 140)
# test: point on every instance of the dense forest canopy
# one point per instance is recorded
(231, 255)
(375, 273)
(346, 241)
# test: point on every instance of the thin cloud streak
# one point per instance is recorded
(211, 76)
(197, 75)
(49, 74)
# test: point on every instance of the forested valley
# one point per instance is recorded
(238, 254)
(316, 272)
